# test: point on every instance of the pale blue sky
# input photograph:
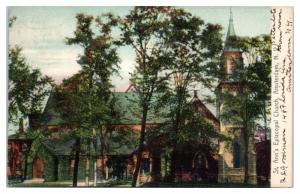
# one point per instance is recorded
(41, 32)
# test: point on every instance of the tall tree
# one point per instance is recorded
(143, 29)
(71, 99)
(99, 61)
(27, 87)
(193, 45)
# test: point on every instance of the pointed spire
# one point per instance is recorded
(230, 33)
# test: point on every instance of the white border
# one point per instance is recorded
(286, 13)
(3, 86)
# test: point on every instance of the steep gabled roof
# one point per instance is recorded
(126, 104)
(129, 109)
(59, 147)
(206, 112)
(51, 115)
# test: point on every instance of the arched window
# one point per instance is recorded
(236, 148)
(200, 161)
(145, 166)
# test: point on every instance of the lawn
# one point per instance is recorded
(69, 184)
(126, 184)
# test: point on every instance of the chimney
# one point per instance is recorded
(21, 126)
(131, 85)
(195, 94)
(34, 119)
(195, 97)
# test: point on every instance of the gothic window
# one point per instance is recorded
(145, 166)
(236, 148)
(229, 66)
(200, 161)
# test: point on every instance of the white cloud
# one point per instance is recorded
(62, 63)
(57, 63)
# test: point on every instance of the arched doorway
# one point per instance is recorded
(38, 169)
(205, 164)
(200, 166)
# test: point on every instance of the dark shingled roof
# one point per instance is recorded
(50, 115)
(59, 147)
(118, 143)
(18, 136)
(126, 105)
(64, 147)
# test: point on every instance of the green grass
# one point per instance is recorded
(146, 185)
(45, 184)
(69, 184)
(115, 184)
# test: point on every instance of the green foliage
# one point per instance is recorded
(83, 34)
(256, 78)
(234, 104)
(72, 99)
(144, 30)
(11, 21)
(193, 128)
(122, 141)
(85, 99)
(100, 59)
(194, 47)
(27, 87)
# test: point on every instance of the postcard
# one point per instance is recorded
(150, 96)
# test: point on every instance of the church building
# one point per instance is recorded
(198, 162)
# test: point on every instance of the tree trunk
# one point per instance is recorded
(141, 146)
(25, 167)
(103, 173)
(87, 163)
(246, 166)
(166, 166)
(176, 129)
(95, 173)
(75, 173)
(56, 164)
(246, 140)
(87, 170)
(173, 163)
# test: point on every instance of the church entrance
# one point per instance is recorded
(117, 167)
(200, 167)
(38, 169)
(204, 165)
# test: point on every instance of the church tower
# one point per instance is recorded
(231, 165)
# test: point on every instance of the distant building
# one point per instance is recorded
(18, 148)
